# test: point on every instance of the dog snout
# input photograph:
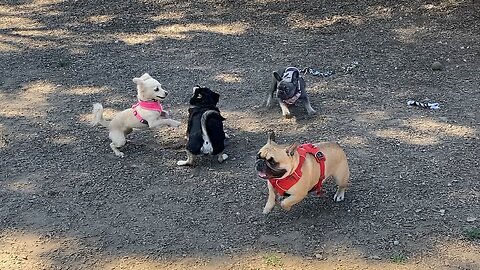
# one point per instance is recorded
(166, 93)
(282, 94)
(260, 165)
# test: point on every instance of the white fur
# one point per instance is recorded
(125, 121)
(207, 147)
(98, 113)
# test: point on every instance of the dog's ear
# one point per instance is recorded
(138, 81)
(292, 148)
(277, 76)
(145, 76)
(271, 137)
(195, 88)
(295, 76)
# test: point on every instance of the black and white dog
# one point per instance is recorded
(288, 89)
(205, 126)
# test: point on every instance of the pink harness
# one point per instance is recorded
(147, 105)
(293, 99)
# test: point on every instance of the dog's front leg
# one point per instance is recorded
(285, 110)
(163, 122)
(271, 199)
(273, 88)
(269, 101)
(291, 200)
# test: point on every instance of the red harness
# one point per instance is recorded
(281, 185)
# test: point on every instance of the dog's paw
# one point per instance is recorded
(287, 115)
(339, 196)
(165, 114)
(285, 206)
(222, 157)
(267, 210)
(175, 124)
(183, 163)
(313, 112)
(120, 154)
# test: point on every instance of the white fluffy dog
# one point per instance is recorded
(146, 113)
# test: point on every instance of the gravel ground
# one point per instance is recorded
(67, 202)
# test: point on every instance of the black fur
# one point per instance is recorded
(203, 100)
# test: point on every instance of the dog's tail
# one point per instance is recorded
(207, 147)
(98, 115)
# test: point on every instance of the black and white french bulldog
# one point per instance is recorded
(288, 88)
(205, 126)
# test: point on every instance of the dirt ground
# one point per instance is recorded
(67, 202)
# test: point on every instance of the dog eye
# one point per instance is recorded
(156, 89)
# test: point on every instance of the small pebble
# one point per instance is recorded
(437, 66)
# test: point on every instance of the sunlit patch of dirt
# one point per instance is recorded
(169, 15)
(229, 78)
(372, 116)
(3, 142)
(408, 136)
(87, 90)
(25, 250)
(18, 23)
(348, 259)
(300, 21)
(30, 102)
(354, 141)
(381, 12)
(63, 140)
(99, 19)
(409, 34)
(183, 31)
(444, 129)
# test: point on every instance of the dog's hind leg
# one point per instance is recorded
(308, 107)
(342, 182)
(222, 157)
(288, 202)
(118, 140)
(189, 160)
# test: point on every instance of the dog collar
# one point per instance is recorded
(281, 185)
(147, 105)
(294, 98)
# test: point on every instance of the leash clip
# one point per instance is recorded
(319, 155)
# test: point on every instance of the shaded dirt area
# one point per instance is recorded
(66, 202)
